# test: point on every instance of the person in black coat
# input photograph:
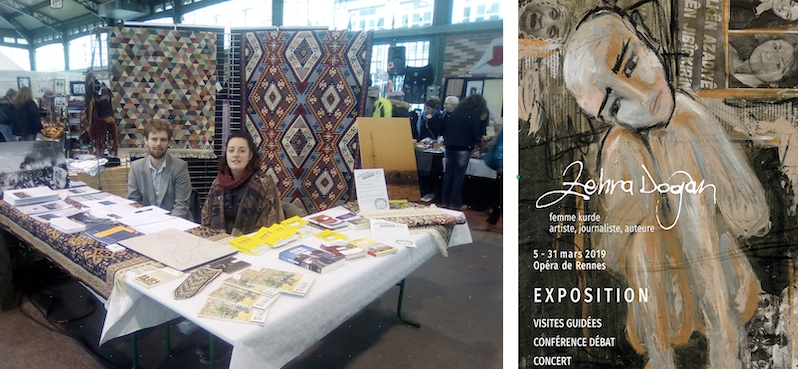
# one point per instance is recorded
(462, 132)
(431, 123)
(27, 122)
(7, 115)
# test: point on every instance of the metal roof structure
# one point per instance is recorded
(33, 23)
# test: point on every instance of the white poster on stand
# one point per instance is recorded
(372, 192)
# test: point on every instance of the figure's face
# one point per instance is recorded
(614, 76)
(448, 106)
(238, 155)
(428, 110)
(786, 9)
(157, 144)
(770, 59)
(544, 20)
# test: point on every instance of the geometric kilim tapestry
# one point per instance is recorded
(164, 73)
(304, 90)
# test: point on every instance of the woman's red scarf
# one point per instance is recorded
(227, 181)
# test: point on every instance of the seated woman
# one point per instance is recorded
(242, 199)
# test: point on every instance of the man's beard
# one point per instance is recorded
(156, 155)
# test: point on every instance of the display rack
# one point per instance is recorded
(73, 129)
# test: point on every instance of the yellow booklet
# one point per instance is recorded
(246, 244)
(330, 235)
(294, 222)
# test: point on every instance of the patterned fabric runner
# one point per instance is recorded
(419, 218)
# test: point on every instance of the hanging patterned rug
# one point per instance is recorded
(161, 73)
(303, 91)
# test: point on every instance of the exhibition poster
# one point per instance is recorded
(657, 176)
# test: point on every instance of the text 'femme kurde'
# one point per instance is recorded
(647, 186)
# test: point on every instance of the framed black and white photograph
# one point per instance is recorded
(59, 86)
(60, 101)
(23, 82)
(77, 87)
(474, 87)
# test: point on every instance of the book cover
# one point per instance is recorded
(243, 297)
(294, 222)
(326, 221)
(275, 236)
(248, 245)
(287, 282)
(346, 250)
(315, 260)
(66, 225)
(156, 277)
(379, 250)
(331, 236)
(47, 217)
(241, 280)
(216, 309)
(110, 233)
(75, 191)
(44, 207)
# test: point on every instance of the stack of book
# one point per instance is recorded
(326, 221)
(277, 235)
(359, 247)
(78, 222)
(110, 233)
(315, 260)
(233, 303)
(265, 280)
(27, 196)
(345, 249)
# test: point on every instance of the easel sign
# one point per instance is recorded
(372, 192)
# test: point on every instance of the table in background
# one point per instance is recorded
(479, 188)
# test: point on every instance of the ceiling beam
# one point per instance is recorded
(41, 17)
(91, 6)
(16, 27)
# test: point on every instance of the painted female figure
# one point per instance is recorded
(691, 263)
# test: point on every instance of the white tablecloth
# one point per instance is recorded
(293, 323)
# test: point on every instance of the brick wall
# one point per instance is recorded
(463, 50)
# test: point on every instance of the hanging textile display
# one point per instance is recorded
(303, 91)
(165, 73)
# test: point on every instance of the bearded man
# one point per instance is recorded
(159, 178)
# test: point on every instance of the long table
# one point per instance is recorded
(294, 323)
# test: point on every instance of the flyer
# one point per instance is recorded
(657, 223)
(372, 192)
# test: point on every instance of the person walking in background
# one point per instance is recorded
(463, 130)
(27, 122)
(7, 115)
